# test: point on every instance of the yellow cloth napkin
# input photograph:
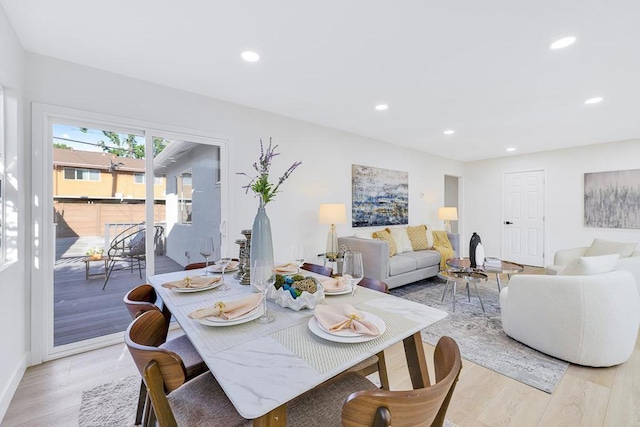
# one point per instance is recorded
(286, 268)
(335, 284)
(192, 282)
(344, 316)
(229, 310)
(442, 244)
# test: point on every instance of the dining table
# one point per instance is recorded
(262, 367)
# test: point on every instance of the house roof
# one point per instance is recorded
(95, 160)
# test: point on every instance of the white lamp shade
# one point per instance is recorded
(448, 213)
(332, 213)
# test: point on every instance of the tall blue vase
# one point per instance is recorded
(261, 243)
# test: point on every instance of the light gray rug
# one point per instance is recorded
(114, 404)
(110, 405)
(480, 336)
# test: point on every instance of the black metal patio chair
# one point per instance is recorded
(130, 247)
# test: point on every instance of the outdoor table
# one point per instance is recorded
(261, 367)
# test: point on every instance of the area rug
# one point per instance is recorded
(480, 336)
(110, 405)
(114, 404)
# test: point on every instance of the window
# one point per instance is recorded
(82, 174)
(140, 178)
(183, 186)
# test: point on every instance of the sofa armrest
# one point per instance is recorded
(454, 238)
(632, 265)
(375, 255)
(565, 256)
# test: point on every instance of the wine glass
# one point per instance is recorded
(353, 269)
(206, 250)
(262, 277)
(223, 262)
(298, 254)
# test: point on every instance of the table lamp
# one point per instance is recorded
(332, 213)
(448, 214)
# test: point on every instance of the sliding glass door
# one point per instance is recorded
(121, 203)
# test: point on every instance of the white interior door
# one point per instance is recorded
(523, 218)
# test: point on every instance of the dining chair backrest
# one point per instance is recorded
(319, 269)
(419, 408)
(143, 336)
(194, 265)
(374, 284)
(142, 298)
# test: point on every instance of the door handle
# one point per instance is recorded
(508, 222)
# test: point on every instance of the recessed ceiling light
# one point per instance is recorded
(562, 43)
(511, 149)
(595, 100)
(382, 107)
(250, 56)
(449, 132)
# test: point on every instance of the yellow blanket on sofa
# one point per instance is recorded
(442, 244)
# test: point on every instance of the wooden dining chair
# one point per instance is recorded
(201, 401)
(174, 400)
(319, 269)
(195, 265)
(142, 299)
(417, 408)
(374, 284)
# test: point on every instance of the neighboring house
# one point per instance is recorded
(93, 188)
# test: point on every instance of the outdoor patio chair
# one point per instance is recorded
(130, 247)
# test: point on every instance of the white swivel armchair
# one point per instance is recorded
(564, 257)
(589, 320)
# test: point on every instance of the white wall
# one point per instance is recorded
(326, 154)
(202, 161)
(564, 193)
(14, 287)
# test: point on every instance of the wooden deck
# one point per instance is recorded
(82, 310)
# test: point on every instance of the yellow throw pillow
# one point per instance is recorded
(386, 236)
(418, 237)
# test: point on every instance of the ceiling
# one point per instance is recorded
(482, 68)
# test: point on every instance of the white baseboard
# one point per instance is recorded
(12, 386)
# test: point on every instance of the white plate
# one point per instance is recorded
(218, 269)
(215, 321)
(206, 288)
(342, 292)
(288, 273)
(316, 329)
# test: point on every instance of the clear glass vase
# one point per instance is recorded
(261, 242)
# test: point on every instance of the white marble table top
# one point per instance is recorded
(263, 366)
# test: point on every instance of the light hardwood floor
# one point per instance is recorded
(49, 394)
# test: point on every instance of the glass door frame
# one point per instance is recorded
(42, 238)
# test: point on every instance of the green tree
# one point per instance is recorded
(127, 146)
(61, 145)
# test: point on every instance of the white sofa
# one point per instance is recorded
(588, 320)
(564, 257)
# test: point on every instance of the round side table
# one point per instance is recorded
(455, 276)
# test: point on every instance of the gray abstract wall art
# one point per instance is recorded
(612, 199)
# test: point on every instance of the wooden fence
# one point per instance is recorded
(89, 219)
